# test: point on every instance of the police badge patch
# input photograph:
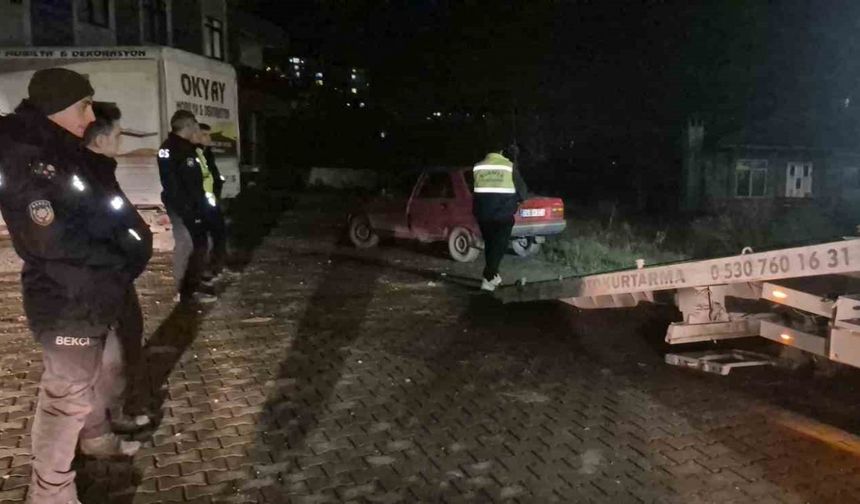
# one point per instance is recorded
(190, 162)
(41, 212)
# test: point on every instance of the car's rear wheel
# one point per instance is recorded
(461, 245)
(525, 246)
(361, 233)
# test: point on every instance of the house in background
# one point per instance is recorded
(786, 161)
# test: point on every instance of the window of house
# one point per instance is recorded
(94, 12)
(437, 185)
(798, 180)
(750, 178)
(213, 38)
(155, 22)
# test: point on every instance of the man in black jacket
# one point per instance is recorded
(123, 345)
(185, 200)
(75, 273)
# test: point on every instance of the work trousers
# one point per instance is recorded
(189, 255)
(85, 376)
(216, 229)
(497, 236)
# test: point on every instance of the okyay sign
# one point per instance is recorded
(200, 87)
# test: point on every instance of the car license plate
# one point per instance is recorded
(533, 212)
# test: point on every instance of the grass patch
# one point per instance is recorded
(590, 247)
(728, 233)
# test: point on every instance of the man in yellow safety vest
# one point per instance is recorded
(499, 189)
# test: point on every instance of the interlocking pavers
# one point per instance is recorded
(326, 374)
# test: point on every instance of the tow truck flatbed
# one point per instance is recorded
(820, 284)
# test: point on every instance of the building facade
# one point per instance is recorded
(786, 161)
(275, 83)
(198, 26)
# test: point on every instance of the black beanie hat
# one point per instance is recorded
(53, 89)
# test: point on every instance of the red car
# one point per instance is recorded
(439, 208)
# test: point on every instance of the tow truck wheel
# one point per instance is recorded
(461, 245)
(525, 246)
(361, 234)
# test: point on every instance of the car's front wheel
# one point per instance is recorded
(461, 245)
(525, 246)
(361, 233)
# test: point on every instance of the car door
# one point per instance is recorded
(389, 213)
(431, 205)
(461, 211)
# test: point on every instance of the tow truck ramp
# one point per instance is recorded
(804, 297)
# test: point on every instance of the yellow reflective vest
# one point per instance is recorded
(494, 175)
(208, 179)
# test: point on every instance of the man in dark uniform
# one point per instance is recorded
(123, 346)
(75, 276)
(184, 198)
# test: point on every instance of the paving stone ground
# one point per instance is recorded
(326, 374)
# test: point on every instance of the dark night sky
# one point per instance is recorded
(623, 71)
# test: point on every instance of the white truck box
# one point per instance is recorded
(148, 84)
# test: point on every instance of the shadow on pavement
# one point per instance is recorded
(369, 259)
(252, 215)
(766, 430)
(116, 481)
(160, 355)
(306, 378)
